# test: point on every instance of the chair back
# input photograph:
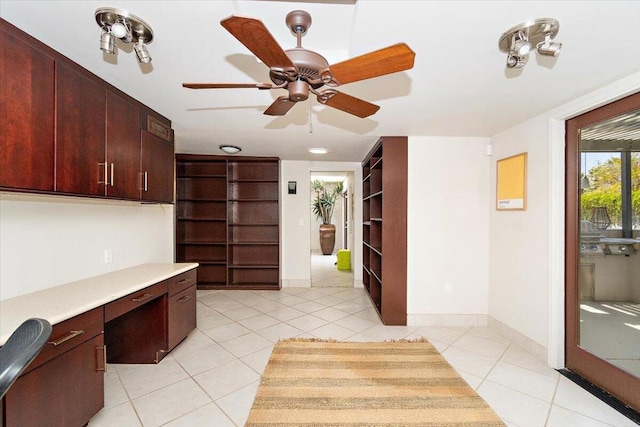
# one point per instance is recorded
(21, 348)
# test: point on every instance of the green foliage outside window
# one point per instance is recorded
(606, 190)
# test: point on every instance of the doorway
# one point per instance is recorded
(325, 271)
(602, 250)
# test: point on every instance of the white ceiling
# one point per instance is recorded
(459, 85)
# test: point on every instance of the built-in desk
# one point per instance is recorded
(135, 315)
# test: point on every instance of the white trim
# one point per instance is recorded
(447, 319)
(555, 279)
(605, 95)
(522, 341)
(293, 283)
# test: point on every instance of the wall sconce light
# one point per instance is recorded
(120, 24)
(517, 41)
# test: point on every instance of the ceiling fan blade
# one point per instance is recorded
(392, 59)
(254, 35)
(227, 85)
(280, 106)
(350, 104)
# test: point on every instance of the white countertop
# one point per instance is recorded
(63, 302)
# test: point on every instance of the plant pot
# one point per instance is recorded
(327, 238)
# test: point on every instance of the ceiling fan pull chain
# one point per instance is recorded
(310, 124)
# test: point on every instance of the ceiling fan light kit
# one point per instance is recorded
(120, 24)
(301, 71)
(518, 41)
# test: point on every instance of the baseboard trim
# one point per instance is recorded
(527, 344)
(447, 319)
(295, 283)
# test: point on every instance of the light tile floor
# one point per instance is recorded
(211, 378)
(325, 273)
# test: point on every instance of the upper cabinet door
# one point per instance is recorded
(80, 143)
(156, 169)
(123, 148)
(26, 116)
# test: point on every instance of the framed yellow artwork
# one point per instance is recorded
(511, 183)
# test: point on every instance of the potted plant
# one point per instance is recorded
(323, 205)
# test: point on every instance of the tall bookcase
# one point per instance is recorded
(227, 219)
(384, 228)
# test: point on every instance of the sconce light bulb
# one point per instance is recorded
(119, 30)
(522, 47)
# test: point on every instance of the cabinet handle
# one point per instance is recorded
(70, 335)
(112, 174)
(101, 359)
(146, 181)
(184, 298)
(105, 173)
(183, 281)
(142, 298)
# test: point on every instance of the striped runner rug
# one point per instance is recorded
(345, 384)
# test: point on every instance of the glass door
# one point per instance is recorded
(603, 248)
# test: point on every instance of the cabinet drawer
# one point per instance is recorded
(182, 281)
(133, 301)
(182, 316)
(69, 334)
(66, 391)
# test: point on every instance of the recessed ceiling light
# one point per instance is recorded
(230, 149)
(318, 150)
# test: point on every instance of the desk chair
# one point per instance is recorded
(21, 348)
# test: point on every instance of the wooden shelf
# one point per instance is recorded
(200, 219)
(202, 199)
(254, 243)
(384, 233)
(201, 176)
(191, 242)
(275, 181)
(253, 200)
(233, 203)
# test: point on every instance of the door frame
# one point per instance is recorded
(556, 207)
(619, 383)
(556, 204)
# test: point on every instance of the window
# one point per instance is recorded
(613, 182)
(610, 171)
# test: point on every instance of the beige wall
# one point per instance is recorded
(46, 241)
(448, 230)
(518, 270)
(296, 222)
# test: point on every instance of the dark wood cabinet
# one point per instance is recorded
(64, 385)
(26, 115)
(181, 315)
(123, 148)
(384, 230)
(227, 219)
(80, 133)
(157, 168)
(135, 326)
(66, 131)
(181, 309)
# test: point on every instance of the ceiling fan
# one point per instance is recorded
(301, 71)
